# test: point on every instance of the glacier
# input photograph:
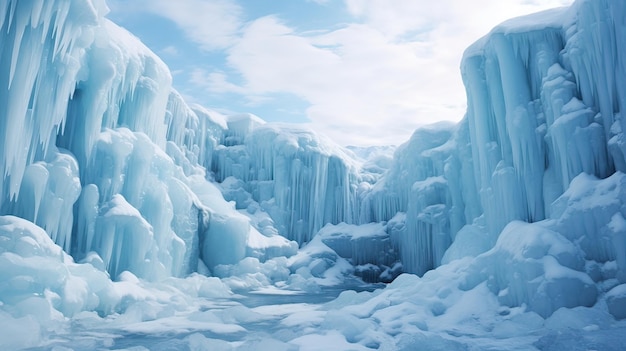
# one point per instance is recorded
(130, 219)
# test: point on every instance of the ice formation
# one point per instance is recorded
(127, 210)
(536, 120)
(301, 179)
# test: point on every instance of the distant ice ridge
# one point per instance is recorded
(301, 179)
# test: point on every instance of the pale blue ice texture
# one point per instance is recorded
(133, 219)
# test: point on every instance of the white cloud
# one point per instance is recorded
(372, 81)
(211, 24)
(216, 82)
(375, 81)
(170, 50)
(474, 17)
(272, 58)
(362, 88)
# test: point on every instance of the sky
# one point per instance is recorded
(363, 72)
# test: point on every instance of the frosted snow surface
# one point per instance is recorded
(131, 220)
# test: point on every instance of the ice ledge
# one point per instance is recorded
(557, 19)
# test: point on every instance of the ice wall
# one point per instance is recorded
(197, 131)
(301, 179)
(431, 181)
(545, 95)
(545, 99)
(43, 45)
(100, 151)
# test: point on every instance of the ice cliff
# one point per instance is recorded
(545, 101)
(99, 151)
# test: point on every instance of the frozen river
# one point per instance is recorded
(266, 319)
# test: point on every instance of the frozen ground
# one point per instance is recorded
(268, 319)
(386, 319)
